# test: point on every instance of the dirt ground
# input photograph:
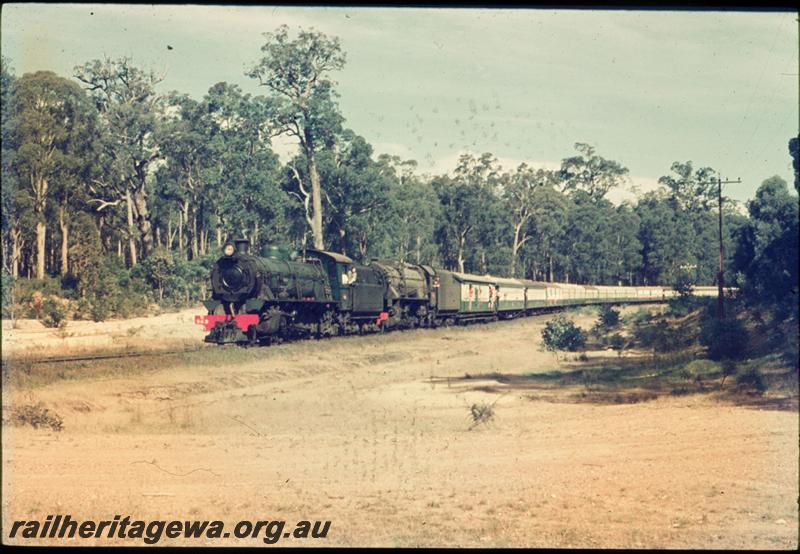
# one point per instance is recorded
(375, 434)
(26, 337)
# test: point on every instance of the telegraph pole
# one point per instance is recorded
(721, 273)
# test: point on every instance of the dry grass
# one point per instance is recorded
(37, 416)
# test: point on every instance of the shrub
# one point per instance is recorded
(683, 286)
(54, 311)
(562, 334)
(639, 316)
(617, 342)
(481, 413)
(679, 306)
(752, 378)
(36, 415)
(609, 317)
(7, 284)
(728, 369)
(727, 338)
(660, 336)
(178, 282)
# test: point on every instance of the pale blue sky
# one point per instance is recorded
(646, 88)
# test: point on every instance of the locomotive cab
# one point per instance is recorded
(358, 289)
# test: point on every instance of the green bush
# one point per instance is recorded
(7, 284)
(617, 342)
(753, 379)
(679, 306)
(683, 286)
(177, 282)
(641, 315)
(54, 311)
(727, 338)
(562, 334)
(609, 317)
(661, 336)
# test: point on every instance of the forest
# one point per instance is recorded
(117, 197)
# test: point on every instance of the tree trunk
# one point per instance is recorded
(254, 238)
(143, 220)
(550, 268)
(16, 251)
(419, 247)
(41, 253)
(316, 194)
(181, 223)
(194, 235)
(514, 249)
(62, 223)
(342, 243)
(131, 232)
(461, 242)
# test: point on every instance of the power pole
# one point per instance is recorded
(721, 273)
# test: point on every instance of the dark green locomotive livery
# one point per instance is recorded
(260, 298)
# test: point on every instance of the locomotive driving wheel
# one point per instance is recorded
(327, 326)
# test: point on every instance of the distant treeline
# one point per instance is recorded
(115, 196)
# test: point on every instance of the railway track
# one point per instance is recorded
(95, 357)
(24, 359)
(155, 353)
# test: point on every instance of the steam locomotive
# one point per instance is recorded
(279, 295)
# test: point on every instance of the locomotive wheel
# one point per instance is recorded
(252, 336)
(327, 327)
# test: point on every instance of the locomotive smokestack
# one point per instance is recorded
(242, 246)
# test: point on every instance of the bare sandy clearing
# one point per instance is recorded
(356, 431)
(28, 337)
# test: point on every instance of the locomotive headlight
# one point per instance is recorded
(229, 249)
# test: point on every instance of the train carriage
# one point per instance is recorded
(478, 296)
(535, 294)
(570, 294)
(591, 294)
(510, 296)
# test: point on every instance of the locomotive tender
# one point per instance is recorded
(264, 299)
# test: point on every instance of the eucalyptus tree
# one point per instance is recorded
(296, 71)
(542, 255)
(666, 238)
(627, 248)
(131, 111)
(413, 214)
(187, 142)
(588, 239)
(11, 231)
(591, 173)
(243, 186)
(692, 189)
(464, 199)
(794, 151)
(52, 129)
(767, 250)
(356, 192)
(519, 190)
